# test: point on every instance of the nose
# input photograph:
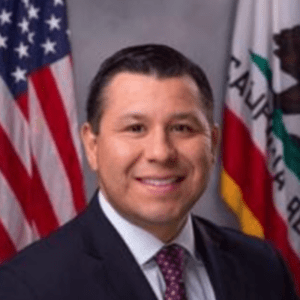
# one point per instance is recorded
(160, 148)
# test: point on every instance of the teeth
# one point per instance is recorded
(159, 182)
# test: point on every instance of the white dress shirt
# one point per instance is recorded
(144, 246)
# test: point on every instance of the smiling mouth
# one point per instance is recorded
(161, 181)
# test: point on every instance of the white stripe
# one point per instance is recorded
(51, 168)
(15, 125)
(62, 72)
(12, 217)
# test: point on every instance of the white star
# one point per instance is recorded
(26, 3)
(49, 46)
(24, 25)
(5, 17)
(53, 22)
(3, 40)
(33, 12)
(68, 32)
(30, 37)
(22, 50)
(19, 74)
(57, 2)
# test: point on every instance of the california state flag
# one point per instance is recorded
(260, 179)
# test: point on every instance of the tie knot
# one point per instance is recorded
(170, 260)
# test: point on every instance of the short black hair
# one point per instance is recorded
(159, 60)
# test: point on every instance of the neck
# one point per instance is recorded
(166, 233)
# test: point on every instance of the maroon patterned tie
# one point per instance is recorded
(170, 259)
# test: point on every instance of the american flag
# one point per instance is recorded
(41, 185)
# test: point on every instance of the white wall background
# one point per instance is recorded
(200, 29)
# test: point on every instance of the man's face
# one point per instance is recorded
(155, 148)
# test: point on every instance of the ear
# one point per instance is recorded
(89, 140)
(215, 139)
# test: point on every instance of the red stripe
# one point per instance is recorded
(15, 173)
(247, 167)
(53, 108)
(42, 211)
(20, 182)
(7, 249)
(22, 101)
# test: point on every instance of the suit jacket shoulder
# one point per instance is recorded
(84, 259)
(241, 266)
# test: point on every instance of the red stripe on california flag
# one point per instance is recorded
(53, 109)
(7, 249)
(42, 210)
(246, 166)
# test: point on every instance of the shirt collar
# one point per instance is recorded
(142, 244)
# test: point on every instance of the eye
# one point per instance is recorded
(136, 128)
(184, 128)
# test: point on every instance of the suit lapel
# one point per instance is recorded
(125, 279)
(222, 267)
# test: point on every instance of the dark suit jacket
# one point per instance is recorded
(87, 260)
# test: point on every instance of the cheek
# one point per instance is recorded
(201, 159)
(117, 156)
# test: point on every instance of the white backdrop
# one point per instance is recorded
(200, 29)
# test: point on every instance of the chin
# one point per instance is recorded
(163, 217)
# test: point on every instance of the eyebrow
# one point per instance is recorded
(183, 116)
(134, 115)
(190, 116)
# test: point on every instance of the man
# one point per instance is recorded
(151, 139)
